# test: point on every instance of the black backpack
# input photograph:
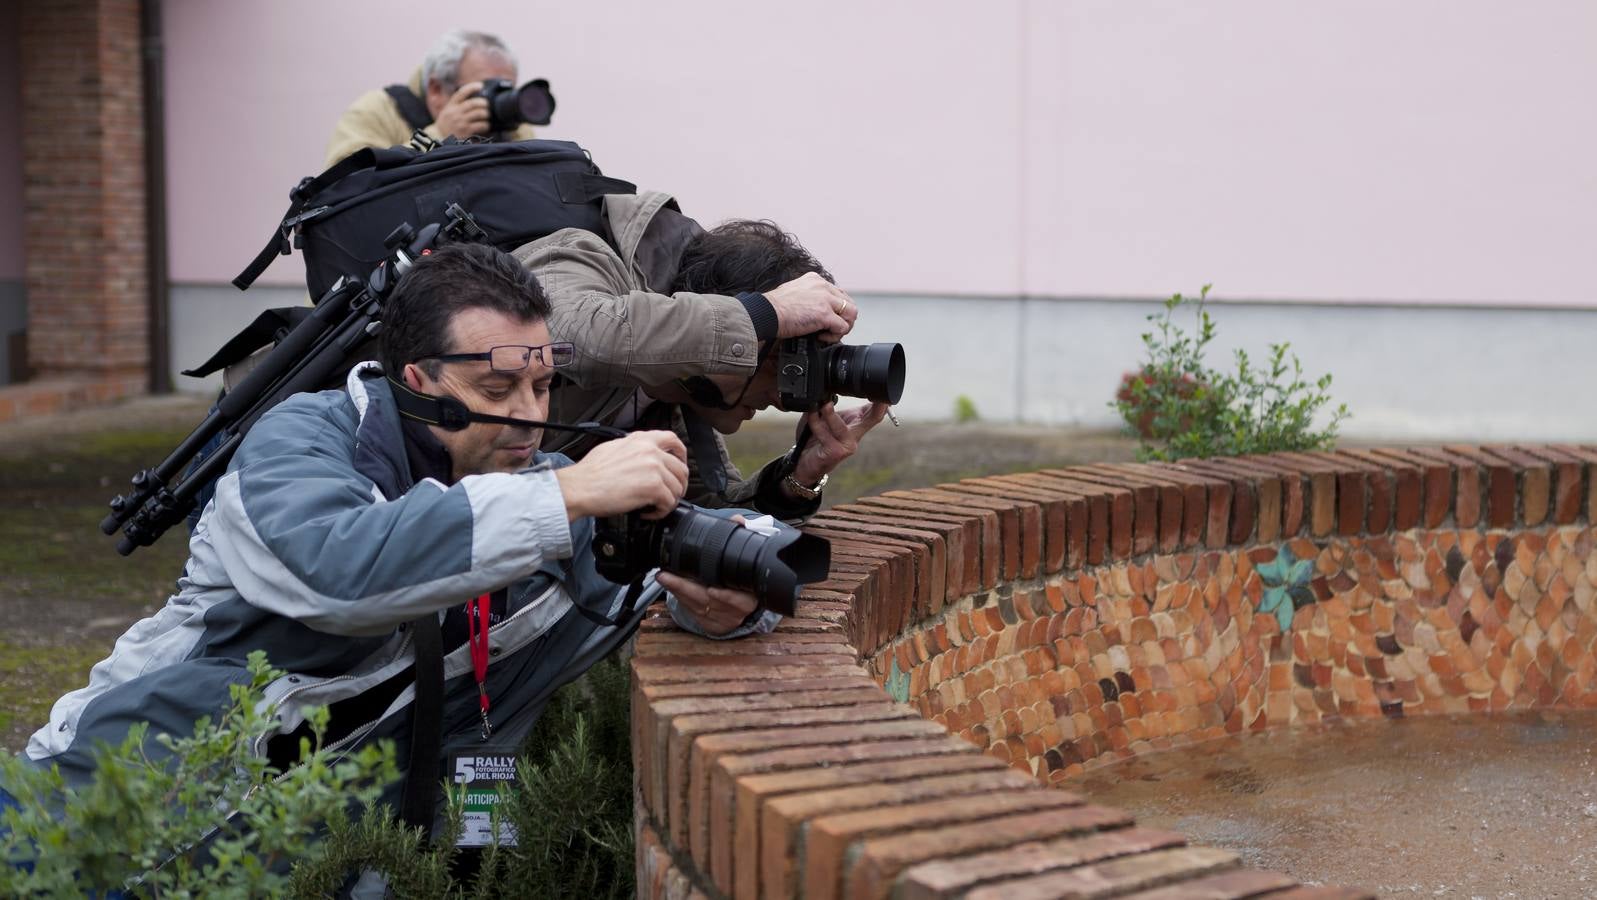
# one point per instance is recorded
(516, 191)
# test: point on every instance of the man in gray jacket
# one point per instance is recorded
(675, 323)
(345, 532)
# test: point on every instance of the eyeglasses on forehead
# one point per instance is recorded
(515, 357)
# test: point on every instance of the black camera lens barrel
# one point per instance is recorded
(693, 546)
(872, 371)
(810, 373)
(510, 107)
(715, 551)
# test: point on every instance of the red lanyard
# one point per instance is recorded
(477, 639)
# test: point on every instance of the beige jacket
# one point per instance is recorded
(374, 121)
(611, 303)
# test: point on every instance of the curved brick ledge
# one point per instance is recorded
(978, 640)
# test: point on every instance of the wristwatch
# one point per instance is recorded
(807, 491)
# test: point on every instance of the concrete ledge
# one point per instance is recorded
(57, 395)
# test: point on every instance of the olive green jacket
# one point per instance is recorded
(374, 121)
(612, 303)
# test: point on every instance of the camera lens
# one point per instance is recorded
(872, 371)
(509, 108)
(692, 544)
(535, 103)
(721, 553)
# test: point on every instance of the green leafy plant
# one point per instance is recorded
(965, 410)
(1179, 407)
(207, 817)
(572, 815)
(217, 821)
(574, 819)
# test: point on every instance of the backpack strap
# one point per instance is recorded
(588, 187)
(412, 107)
(268, 327)
(419, 799)
(279, 244)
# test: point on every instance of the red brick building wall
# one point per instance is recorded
(83, 205)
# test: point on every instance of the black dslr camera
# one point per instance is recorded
(712, 551)
(810, 373)
(509, 107)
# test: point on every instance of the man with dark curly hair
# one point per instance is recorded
(677, 328)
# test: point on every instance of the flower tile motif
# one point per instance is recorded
(897, 683)
(1287, 586)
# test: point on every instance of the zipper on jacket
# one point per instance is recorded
(257, 748)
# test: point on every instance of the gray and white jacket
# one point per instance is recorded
(318, 548)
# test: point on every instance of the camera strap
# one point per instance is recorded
(623, 619)
(410, 106)
(706, 452)
(800, 441)
(452, 415)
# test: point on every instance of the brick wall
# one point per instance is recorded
(83, 204)
(977, 640)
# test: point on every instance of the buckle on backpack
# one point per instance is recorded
(296, 194)
(421, 141)
(291, 226)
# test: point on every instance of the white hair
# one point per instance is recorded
(442, 62)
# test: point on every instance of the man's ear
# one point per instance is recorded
(434, 95)
(412, 376)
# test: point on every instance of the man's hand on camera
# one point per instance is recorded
(465, 114)
(810, 304)
(834, 437)
(644, 470)
(717, 610)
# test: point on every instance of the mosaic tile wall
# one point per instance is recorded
(1050, 621)
(1085, 669)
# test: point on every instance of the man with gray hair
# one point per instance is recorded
(440, 100)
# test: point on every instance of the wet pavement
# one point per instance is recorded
(1466, 806)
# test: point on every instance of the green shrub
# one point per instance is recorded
(574, 820)
(304, 832)
(213, 820)
(965, 410)
(1178, 407)
(573, 817)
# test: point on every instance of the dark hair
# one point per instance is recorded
(743, 255)
(441, 285)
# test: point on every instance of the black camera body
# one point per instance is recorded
(713, 551)
(810, 373)
(509, 107)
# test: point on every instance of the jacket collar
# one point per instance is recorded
(379, 436)
(650, 233)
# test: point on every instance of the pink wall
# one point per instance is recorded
(842, 123)
(10, 142)
(1430, 151)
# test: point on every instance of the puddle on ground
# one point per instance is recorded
(1448, 806)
